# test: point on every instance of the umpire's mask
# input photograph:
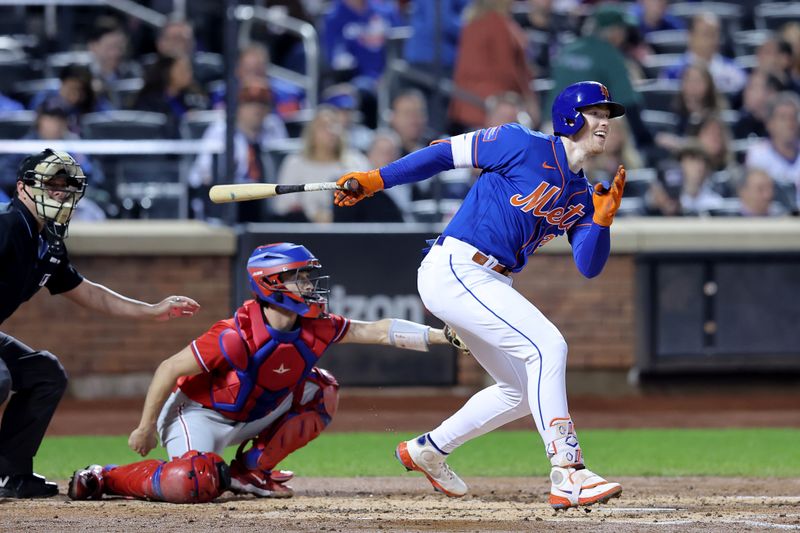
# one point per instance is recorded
(55, 182)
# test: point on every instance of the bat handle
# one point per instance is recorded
(351, 185)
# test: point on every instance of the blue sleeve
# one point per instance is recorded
(591, 245)
(493, 149)
(418, 165)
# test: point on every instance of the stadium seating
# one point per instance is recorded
(668, 41)
(773, 15)
(659, 94)
(15, 124)
(123, 125)
(194, 123)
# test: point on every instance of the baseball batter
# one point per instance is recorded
(532, 189)
(250, 380)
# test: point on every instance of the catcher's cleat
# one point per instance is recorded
(572, 487)
(26, 486)
(421, 454)
(86, 483)
(260, 483)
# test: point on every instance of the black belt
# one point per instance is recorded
(480, 258)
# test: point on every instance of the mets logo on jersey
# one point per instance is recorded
(536, 200)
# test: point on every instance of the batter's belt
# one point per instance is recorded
(480, 258)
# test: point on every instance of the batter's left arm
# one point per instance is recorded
(591, 244)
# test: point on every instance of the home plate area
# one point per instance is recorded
(408, 504)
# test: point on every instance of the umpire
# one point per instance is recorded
(32, 255)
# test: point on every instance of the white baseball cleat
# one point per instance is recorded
(259, 483)
(421, 455)
(572, 487)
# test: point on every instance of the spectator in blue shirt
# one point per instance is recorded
(354, 43)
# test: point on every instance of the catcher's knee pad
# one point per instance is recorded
(561, 443)
(194, 477)
(5, 382)
(302, 424)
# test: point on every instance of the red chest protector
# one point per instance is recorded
(265, 364)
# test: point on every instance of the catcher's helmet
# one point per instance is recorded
(54, 203)
(566, 112)
(264, 269)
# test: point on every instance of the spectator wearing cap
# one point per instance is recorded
(256, 127)
(343, 100)
(598, 55)
(704, 48)
(170, 88)
(52, 124)
(254, 62)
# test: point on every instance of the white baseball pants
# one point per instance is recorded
(518, 346)
(184, 424)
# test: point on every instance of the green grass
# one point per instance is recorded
(635, 452)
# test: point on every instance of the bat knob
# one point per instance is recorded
(352, 185)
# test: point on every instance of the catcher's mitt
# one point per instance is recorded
(453, 338)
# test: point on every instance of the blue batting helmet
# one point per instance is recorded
(567, 117)
(265, 268)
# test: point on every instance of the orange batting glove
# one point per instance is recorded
(606, 201)
(368, 182)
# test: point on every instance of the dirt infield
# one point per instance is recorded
(494, 504)
(408, 504)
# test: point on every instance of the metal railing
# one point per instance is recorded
(278, 16)
(133, 9)
(143, 192)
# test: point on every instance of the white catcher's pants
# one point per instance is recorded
(184, 424)
(518, 346)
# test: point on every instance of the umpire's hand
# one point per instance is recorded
(175, 307)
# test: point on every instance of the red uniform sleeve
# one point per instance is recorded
(340, 327)
(206, 348)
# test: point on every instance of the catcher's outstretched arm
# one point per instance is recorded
(398, 332)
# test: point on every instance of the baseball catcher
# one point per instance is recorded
(250, 380)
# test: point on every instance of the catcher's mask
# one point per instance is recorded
(271, 267)
(56, 183)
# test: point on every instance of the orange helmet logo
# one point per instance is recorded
(604, 90)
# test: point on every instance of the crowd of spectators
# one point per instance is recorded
(713, 98)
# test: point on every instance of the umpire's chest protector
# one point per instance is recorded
(265, 364)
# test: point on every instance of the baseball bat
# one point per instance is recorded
(242, 192)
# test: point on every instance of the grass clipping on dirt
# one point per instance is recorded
(762, 452)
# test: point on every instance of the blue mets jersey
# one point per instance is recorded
(525, 197)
